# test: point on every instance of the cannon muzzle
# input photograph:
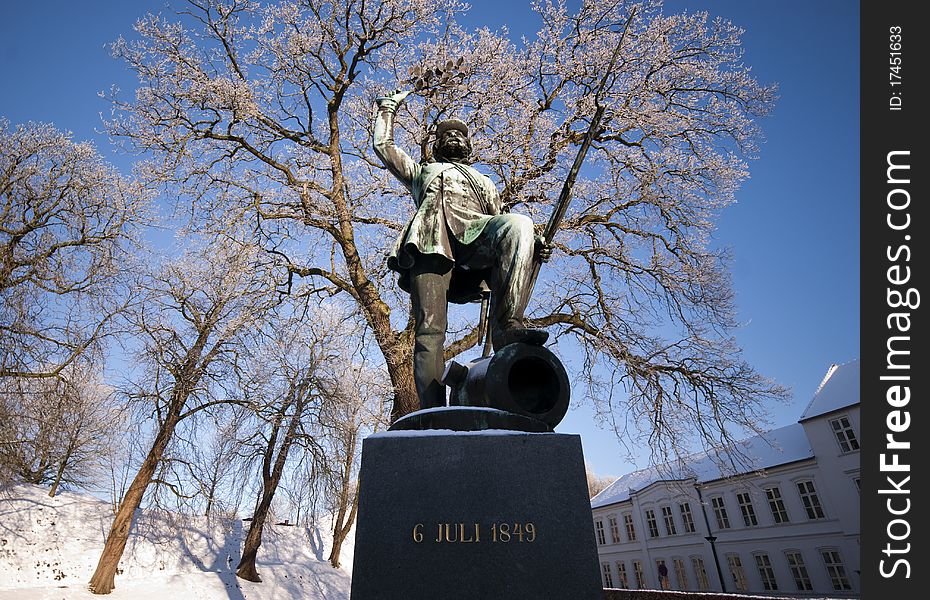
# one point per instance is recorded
(520, 378)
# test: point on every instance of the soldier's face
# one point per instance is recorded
(453, 145)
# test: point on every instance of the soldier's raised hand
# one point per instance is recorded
(543, 250)
(392, 101)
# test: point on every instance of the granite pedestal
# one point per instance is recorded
(474, 515)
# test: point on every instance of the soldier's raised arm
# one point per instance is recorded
(396, 160)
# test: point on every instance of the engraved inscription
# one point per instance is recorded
(471, 533)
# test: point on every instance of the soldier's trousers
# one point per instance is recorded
(506, 247)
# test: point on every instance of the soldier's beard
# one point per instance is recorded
(452, 151)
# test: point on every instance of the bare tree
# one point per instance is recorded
(596, 483)
(89, 421)
(262, 115)
(188, 327)
(67, 221)
(58, 431)
(292, 378)
(354, 409)
(28, 448)
(216, 460)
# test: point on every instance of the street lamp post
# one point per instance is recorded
(711, 538)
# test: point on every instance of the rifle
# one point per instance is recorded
(555, 220)
(558, 214)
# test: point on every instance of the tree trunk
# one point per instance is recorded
(58, 476)
(211, 493)
(61, 468)
(36, 475)
(341, 531)
(338, 527)
(341, 525)
(397, 350)
(206, 512)
(400, 370)
(337, 548)
(102, 581)
(246, 568)
(270, 479)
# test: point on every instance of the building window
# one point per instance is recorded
(630, 530)
(651, 522)
(844, 434)
(720, 511)
(621, 574)
(736, 571)
(745, 507)
(858, 484)
(614, 530)
(700, 573)
(605, 572)
(686, 518)
(680, 573)
(836, 570)
(777, 504)
(802, 580)
(766, 573)
(638, 572)
(669, 521)
(599, 529)
(810, 500)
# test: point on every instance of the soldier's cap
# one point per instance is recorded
(448, 124)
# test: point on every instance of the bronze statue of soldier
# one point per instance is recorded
(457, 238)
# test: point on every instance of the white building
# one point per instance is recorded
(792, 529)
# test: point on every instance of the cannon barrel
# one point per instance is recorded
(520, 378)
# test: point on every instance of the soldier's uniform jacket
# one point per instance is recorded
(451, 198)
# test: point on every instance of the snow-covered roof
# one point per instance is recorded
(839, 389)
(777, 447)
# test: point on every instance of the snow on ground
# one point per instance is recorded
(49, 549)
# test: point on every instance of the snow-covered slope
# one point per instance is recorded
(49, 548)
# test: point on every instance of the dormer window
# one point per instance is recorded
(844, 433)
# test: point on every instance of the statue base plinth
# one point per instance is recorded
(488, 514)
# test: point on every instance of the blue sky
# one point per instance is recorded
(794, 233)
